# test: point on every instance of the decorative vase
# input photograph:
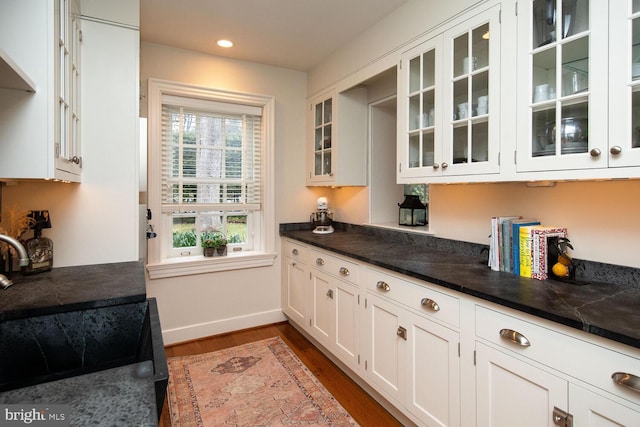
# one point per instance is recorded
(221, 251)
(208, 252)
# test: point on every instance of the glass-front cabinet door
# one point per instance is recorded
(448, 124)
(471, 131)
(322, 140)
(562, 86)
(624, 95)
(419, 148)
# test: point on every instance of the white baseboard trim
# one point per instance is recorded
(201, 330)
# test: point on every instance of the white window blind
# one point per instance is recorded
(211, 156)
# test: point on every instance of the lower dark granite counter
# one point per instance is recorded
(122, 396)
(610, 310)
(73, 288)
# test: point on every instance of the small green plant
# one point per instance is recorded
(213, 239)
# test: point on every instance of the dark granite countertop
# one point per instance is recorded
(610, 310)
(122, 396)
(73, 288)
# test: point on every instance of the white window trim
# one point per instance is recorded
(159, 266)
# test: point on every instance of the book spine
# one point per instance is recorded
(525, 252)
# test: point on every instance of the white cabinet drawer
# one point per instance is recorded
(416, 296)
(295, 251)
(339, 267)
(581, 359)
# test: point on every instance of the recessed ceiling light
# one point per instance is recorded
(225, 43)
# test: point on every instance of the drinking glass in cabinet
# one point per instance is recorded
(544, 75)
(575, 66)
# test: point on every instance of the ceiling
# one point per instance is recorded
(294, 34)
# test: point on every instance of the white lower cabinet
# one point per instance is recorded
(528, 374)
(295, 276)
(413, 360)
(511, 392)
(448, 359)
(334, 314)
(590, 409)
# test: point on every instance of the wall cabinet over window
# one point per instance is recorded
(337, 153)
(448, 124)
(40, 130)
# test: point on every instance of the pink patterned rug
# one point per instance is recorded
(257, 384)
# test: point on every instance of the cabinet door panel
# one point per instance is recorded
(386, 350)
(295, 303)
(434, 373)
(322, 307)
(346, 306)
(592, 410)
(511, 392)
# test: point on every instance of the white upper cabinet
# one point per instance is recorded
(624, 78)
(338, 138)
(563, 89)
(448, 125)
(40, 130)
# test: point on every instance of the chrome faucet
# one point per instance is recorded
(23, 260)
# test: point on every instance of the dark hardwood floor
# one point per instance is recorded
(364, 409)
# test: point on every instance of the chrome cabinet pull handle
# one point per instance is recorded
(402, 333)
(615, 150)
(445, 165)
(595, 152)
(627, 380)
(562, 418)
(514, 337)
(319, 261)
(294, 251)
(429, 303)
(383, 286)
(330, 293)
(344, 271)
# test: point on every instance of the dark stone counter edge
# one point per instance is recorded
(605, 333)
(62, 308)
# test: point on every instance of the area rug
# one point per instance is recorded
(257, 384)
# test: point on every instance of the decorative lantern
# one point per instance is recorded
(412, 211)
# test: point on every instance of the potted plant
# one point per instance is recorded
(213, 243)
(220, 243)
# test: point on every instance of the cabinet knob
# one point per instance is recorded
(293, 264)
(514, 337)
(294, 251)
(383, 286)
(344, 271)
(319, 261)
(330, 293)
(595, 152)
(429, 303)
(77, 160)
(627, 380)
(445, 165)
(436, 166)
(615, 150)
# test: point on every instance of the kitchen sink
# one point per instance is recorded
(51, 347)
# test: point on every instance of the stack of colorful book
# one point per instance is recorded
(520, 246)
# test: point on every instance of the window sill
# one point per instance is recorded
(175, 267)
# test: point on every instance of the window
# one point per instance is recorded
(209, 165)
